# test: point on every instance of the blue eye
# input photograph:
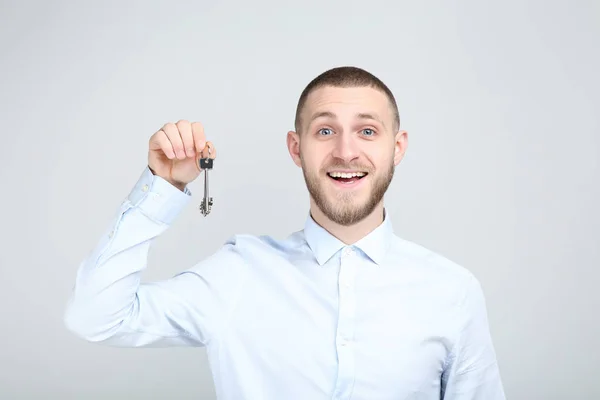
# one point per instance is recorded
(368, 132)
(325, 131)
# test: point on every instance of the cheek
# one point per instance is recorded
(379, 159)
(312, 160)
(384, 157)
(309, 162)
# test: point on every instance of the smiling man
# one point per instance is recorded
(347, 141)
(341, 309)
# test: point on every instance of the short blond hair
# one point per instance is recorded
(346, 76)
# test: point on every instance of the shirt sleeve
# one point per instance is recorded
(472, 371)
(109, 304)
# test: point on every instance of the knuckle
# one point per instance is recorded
(182, 123)
(169, 128)
(157, 137)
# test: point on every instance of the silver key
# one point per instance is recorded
(206, 163)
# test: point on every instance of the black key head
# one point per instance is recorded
(206, 163)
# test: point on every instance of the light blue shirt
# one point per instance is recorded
(304, 318)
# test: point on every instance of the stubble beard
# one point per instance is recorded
(344, 207)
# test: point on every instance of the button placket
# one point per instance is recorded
(345, 333)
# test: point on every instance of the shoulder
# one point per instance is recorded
(454, 286)
(429, 261)
(247, 243)
(451, 280)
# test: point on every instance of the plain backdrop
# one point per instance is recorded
(500, 99)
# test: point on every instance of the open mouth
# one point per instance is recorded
(347, 177)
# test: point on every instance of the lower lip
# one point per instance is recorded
(350, 185)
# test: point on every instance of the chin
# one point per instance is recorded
(348, 200)
(347, 214)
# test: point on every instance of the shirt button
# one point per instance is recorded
(145, 188)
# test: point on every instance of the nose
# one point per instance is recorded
(345, 148)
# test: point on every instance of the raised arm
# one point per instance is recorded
(110, 305)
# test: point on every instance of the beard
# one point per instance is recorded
(343, 207)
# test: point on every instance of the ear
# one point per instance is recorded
(400, 145)
(293, 144)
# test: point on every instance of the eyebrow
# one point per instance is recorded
(329, 114)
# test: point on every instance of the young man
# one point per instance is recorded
(342, 309)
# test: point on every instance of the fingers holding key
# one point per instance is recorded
(207, 157)
(209, 151)
(159, 142)
(172, 132)
(174, 151)
(187, 139)
(198, 136)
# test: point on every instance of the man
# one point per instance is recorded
(342, 309)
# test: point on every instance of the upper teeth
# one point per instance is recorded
(346, 174)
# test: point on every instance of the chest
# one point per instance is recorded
(345, 331)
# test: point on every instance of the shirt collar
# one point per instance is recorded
(324, 245)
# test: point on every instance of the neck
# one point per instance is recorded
(352, 233)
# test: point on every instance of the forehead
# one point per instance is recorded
(348, 101)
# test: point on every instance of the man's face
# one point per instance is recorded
(348, 150)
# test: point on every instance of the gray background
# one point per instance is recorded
(500, 101)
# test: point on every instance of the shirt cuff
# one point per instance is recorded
(157, 198)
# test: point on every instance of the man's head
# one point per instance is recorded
(347, 141)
